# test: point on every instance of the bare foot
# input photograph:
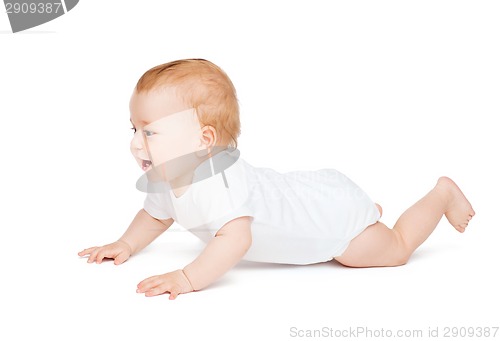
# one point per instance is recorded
(459, 211)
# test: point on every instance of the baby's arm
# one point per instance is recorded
(223, 252)
(141, 232)
(226, 249)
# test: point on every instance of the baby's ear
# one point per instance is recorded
(208, 138)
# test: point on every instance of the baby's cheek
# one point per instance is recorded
(163, 150)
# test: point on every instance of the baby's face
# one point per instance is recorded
(164, 130)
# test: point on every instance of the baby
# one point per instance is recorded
(185, 118)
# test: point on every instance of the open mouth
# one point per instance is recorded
(146, 165)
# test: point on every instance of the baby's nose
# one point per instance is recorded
(136, 142)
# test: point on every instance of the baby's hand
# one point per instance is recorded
(119, 251)
(173, 282)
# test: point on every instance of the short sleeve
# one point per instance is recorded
(156, 205)
(208, 231)
(218, 200)
(242, 211)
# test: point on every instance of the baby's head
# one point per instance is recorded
(180, 108)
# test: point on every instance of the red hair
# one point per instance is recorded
(204, 86)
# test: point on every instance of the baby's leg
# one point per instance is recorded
(380, 246)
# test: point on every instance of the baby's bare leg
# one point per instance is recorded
(380, 246)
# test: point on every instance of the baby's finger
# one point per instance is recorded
(87, 251)
(122, 257)
(147, 284)
(153, 292)
(93, 255)
(99, 257)
(162, 287)
(103, 253)
(174, 292)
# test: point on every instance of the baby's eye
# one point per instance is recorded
(134, 130)
(148, 133)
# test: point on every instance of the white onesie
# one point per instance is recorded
(300, 217)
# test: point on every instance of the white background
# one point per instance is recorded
(392, 93)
